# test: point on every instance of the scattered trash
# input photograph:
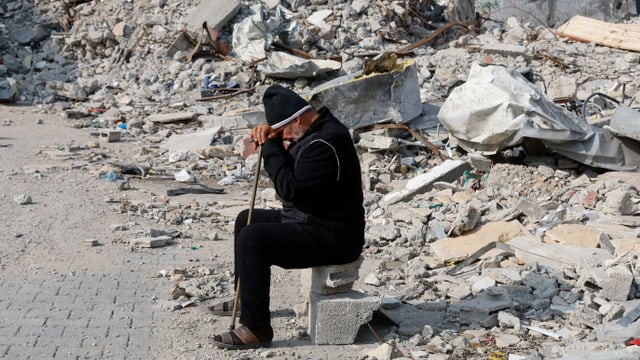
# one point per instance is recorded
(184, 176)
(197, 189)
(110, 176)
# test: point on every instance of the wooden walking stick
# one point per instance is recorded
(256, 177)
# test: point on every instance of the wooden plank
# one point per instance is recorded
(619, 36)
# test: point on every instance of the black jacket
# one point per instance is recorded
(318, 176)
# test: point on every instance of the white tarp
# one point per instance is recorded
(253, 35)
(496, 108)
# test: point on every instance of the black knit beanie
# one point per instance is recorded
(282, 105)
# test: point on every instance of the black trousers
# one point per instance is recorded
(267, 241)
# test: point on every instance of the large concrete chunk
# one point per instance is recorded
(370, 99)
(335, 319)
(215, 12)
(615, 282)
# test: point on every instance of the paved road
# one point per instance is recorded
(80, 313)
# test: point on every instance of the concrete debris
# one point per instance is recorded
(8, 90)
(498, 220)
(150, 242)
(286, 66)
(216, 13)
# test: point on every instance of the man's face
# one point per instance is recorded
(292, 131)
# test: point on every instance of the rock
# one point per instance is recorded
(22, 199)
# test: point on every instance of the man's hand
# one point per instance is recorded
(261, 133)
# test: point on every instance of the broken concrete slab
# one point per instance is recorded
(615, 231)
(191, 142)
(483, 310)
(172, 117)
(373, 142)
(558, 256)
(412, 317)
(449, 170)
(626, 245)
(393, 95)
(460, 247)
(26, 35)
(239, 119)
(573, 234)
(215, 12)
(505, 50)
(150, 242)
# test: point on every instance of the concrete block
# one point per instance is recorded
(505, 50)
(215, 12)
(110, 135)
(615, 283)
(150, 242)
(331, 279)
(336, 319)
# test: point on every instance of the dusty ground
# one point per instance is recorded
(68, 207)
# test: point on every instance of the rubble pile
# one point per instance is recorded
(485, 240)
